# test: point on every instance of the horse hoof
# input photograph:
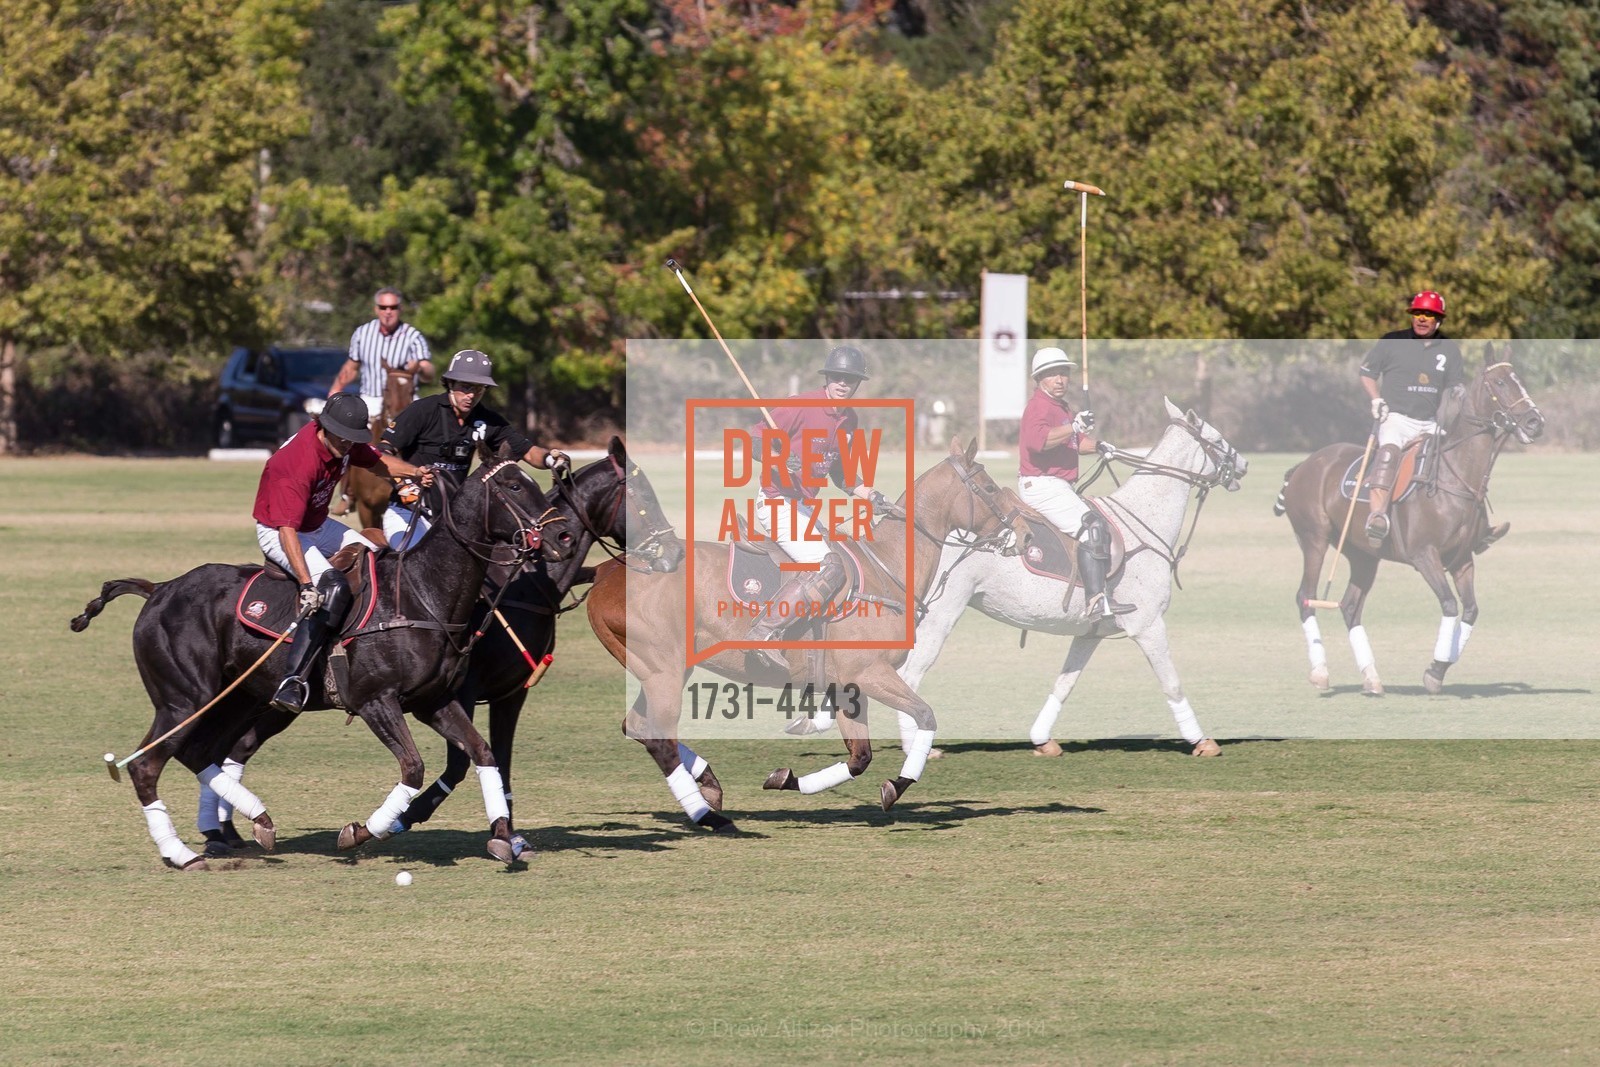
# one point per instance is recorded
(264, 832)
(717, 823)
(1049, 748)
(1372, 688)
(711, 789)
(500, 848)
(1206, 747)
(519, 846)
(217, 849)
(196, 864)
(350, 836)
(936, 753)
(888, 795)
(782, 778)
(1319, 677)
(1433, 682)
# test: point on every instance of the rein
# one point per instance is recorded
(624, 491)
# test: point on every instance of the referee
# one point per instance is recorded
(380, 345)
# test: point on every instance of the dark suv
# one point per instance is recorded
(269, 393)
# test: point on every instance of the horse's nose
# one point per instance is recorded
(1535, 425)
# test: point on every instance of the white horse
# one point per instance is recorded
(1149, 510)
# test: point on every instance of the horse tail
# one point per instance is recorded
(1281, 505)
(140, 587)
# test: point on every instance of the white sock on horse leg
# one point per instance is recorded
(1453, 634)
(494, 793)
(1362, 648)
(245, 802)
(165, 835)
(687, 794)
(381, 825)
(827, 778)
(235, 770)
(1314, 646)
(209, 816)
(1045, 724)
(1188, 725)
(917, 755)
(693, 760)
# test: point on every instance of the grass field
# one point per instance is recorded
(1328, 900)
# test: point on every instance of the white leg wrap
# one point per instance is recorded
(908, 730)
(822, 719)
(1188, 725)
(494, 793)
(165, 835)
(693, 760)
(209, 817)
(235, 770)
(1045, 724)
(687, 794)
(1453, 634)
(1362, 648)
(245, 802)
(381, 825)
(917, 755)
(827, 778)
(1314, 647)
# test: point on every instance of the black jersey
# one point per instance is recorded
(1413, 373)
(428, 433)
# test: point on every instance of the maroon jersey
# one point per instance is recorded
(1043, 414)
(298, 481)
(795, 423)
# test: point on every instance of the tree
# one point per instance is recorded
(129, 139)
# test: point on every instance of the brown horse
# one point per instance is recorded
(369, 491)
(1436, 529)
(957, 494)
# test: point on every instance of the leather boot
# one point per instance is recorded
(804, 587)
(1094, 558)
(295, 689)
(1380, 480)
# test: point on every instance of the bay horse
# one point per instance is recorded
(188, 644)
(368, 491)
(955, 494)
(1436, 529)
(1148, 510)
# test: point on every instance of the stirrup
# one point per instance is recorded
(1104, 607)
(1378, 526)
(292, 695)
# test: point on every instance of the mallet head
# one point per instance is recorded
(111, 766)
(1083, 187)
(672, 264)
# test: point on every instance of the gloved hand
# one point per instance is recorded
(1106, 449)
(310, 599)
(558, 461)
(1083, 421)
(1380, 407)
(410, 493)
(879, 501)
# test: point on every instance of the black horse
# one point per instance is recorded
(403, 660)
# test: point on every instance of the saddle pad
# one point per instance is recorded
(1052, 554)
(754, 575)
(1405, 474)
(270, 607)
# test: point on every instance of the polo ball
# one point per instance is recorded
(403, 878)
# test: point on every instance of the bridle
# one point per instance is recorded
(528, 539)
(658, 537)
(1499, 424)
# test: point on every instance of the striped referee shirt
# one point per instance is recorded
(373, 351)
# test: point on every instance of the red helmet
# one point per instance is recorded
(1428, 300)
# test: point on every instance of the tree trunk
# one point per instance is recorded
(1202, 386)
(8, 395)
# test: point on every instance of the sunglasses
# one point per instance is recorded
(1425, 314)
(848, 379)
(388, 307)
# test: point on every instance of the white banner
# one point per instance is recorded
(1003, 355)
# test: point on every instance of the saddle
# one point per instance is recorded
(755, 568)
(1049, 553)
(270, 607)
(1408, 474)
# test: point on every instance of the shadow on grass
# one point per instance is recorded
(908, 814)
(1482, 690)
(450, 848)
(1162, 745)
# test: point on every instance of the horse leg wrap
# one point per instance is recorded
(917, 755)
(1362, 649)
(494, 793)
(1314, 646)
(1044, 724)
(165, 835)
(693, 760)
(1188, 725)
(209, 817)
(688, 794)
(1453, 634)
(244, 802)
(908, 730)
(827, 778)
(381, 825)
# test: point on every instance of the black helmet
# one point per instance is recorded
(345, 416)
(846, 360)
(470, 366)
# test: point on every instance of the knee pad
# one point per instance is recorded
(1094, 536)
(336, 594)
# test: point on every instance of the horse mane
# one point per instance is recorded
(1452, 405)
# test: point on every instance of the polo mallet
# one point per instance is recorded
(1361, 475)
(114, 766)
(533, 664)
(1084, 191)
(672, 265)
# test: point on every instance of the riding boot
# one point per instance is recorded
(1094, 559)
(295, 689)
(1385, 465)
(806, 587)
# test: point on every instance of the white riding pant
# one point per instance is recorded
(395, 521)
(1400, 430)
(317, 545)
(798, 548)
(374, 405)
(1055, 499)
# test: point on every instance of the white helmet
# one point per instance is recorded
(1051, 360)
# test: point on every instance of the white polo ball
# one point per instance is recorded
(403, 878)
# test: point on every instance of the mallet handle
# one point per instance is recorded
(1361, 475)
(533, 664)
(672, 265)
